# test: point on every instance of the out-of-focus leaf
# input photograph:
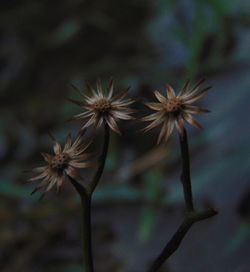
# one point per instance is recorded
(74, 268)
(10, 189)
(115, 191)
(152, 193)
(146, 225)
(66, 32)
(240, 235)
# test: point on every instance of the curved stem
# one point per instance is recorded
(86, 225)
(191, 216)
(177, 238)
(185, 175)
(86, 197)
(101, 160)
(86, 233)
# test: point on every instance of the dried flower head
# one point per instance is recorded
(62, 164)
(174, 109)
(102, 108)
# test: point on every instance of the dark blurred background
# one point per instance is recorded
(47, 45)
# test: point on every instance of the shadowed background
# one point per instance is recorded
(47, 45)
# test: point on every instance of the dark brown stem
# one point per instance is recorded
(81, 190)
(86, 233)
(185, 175)
(86, 225)
(86, 197)
(101, 160)
(177, 238)
(191, 215)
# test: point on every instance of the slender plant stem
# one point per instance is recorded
(85, 194)
(86, 233)
(177, 238)
(101, 160)
(185, 175)
(191, 216)
(86, 225)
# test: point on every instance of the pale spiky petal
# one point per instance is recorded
(80, 164)
(57, 147)
(98, 122)
(112, 124)
(154, 106)
(80, 116)
(121, 104)
(68, 143)
(91, 121)
(83, 156)
(120, 115)
(179, 123)
(78, 103)
(77, 90)
(192, 121)
(72, 172)
(195, 96)
(47, 157)
(155, 123)
(195, 109)
(170, 92)
(99, 87)
(170, 128)
(153, 116)
(159, 96)
(111, 88)
(39, 169)
(185, 89)
(120, 95)
(42, 175)
(197, 85)
(60, 181)
(162, 132)
(42, 184)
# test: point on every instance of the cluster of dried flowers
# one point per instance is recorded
(101, 107)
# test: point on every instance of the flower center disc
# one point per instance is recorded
(102, 105)
(60, 161)
(173, 105)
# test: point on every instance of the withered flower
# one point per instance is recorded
(62, 164)
(102, 107)
(174, 109)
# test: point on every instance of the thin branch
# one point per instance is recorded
(191, 216)
(86, 225)
(185, 175)
(81, 190)
(101, 160)
(177, 238)
(86, 233)
(86, 197)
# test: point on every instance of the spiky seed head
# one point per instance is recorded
(102, 107)
(62, 164)
(173, 110)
